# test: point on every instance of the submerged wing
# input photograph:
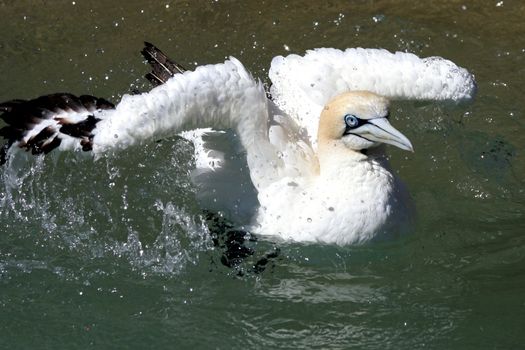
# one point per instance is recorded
(302, 85)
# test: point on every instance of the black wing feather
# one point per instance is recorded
(162, 66)
(21, 116)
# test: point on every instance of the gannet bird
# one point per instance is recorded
(315, 150)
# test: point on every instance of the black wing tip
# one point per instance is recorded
(21, 116)
(153, 79)
(162, 67)
(149, 51)
(148, 45)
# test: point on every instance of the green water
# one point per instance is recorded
(113, 253)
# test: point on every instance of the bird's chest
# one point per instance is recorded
(359, 204)
(347, 205)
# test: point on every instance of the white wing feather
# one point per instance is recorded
(219, 96)
(302, 85)
(278, 136)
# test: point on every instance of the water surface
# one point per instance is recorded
(114, 252)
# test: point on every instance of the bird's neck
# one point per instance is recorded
(334, 156)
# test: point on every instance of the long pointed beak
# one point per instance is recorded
(380, 130)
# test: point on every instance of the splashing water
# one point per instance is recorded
(95, 212)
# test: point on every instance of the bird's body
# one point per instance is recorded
(352, 200)
(324, 179)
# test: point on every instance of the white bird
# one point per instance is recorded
(315, 151)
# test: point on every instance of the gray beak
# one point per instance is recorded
(380, 130)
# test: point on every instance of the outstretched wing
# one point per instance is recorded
(302, 85)
(220, 96)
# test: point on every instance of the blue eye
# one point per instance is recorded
(351, 120)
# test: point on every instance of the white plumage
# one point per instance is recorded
(338, 191)
(301, 85)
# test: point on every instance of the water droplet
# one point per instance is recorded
(378, 18)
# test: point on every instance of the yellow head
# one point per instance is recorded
(359, 119)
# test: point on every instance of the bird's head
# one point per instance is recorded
(359, 119)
